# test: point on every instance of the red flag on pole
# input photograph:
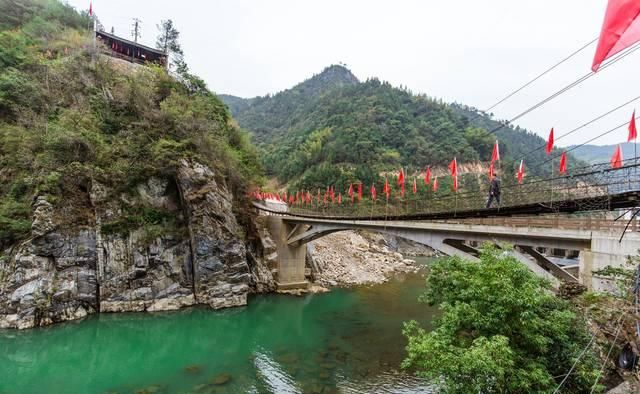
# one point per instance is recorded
(351, 192)
(339, 198)
(373, 192)
(91, 8)
(453, 167)
(386, 189)
(401, 177)
(491, 170)
(563, 163)
(521, 171)
(427, 176)
(549, 147)
(415, 186)
(620, 29)
(616, 159)
(495, 155)
(435, 184)
(359, 191)
(633, 132)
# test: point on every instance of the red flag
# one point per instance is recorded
(359, 191)
(633, 132)
(521, 171)
(563, 163)
(291, 199)
(351, 190)
(91, 8)
(620, 29)
(339, 198)
(453, 167)
(402, 190)
(427, 176)
(401, 177)
(491, 171)
(415, 187)
(495, 155)
(616, 159)
(435, 184)
(386, 189)
(550, 142)
(455, 183)
(373, 192)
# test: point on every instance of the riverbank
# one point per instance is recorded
(350, 258)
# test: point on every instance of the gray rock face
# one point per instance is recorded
(48, 280)
(64, 274)
(221, 272)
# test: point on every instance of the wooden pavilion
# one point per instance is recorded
(131, 51)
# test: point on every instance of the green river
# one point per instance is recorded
(345, 341)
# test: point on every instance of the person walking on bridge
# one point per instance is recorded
(494, 190)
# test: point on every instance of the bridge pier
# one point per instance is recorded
(291, 258)
(606, 250)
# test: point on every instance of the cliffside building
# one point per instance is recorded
(133, 52)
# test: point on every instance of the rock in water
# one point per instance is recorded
(221, 379)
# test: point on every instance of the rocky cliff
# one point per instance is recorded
(200, 254)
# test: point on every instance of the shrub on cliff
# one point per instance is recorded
(501, 330)
(67, 120)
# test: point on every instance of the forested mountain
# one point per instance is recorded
(332, 128)
(601, 153)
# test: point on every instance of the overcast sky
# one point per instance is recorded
(468, 51)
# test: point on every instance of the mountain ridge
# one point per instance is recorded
(363, 128)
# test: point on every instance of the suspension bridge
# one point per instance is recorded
(591, 213)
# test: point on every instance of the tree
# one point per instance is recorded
(501, 330)
(168, 41)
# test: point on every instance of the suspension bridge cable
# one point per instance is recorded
(595, 384)
(545, 72)
(584, 125)
(573, 84)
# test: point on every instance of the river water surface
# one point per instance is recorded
(348, 340)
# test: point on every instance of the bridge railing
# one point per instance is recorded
(588, 187)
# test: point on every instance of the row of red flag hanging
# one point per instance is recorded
(306, 197)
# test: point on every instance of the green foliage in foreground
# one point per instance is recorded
(501, 330)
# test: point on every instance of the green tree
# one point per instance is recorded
(501, 330)
(168, 41)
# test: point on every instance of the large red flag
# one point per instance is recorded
(359, 191)
(549, 147)
(373, 192)
(495, 155)
(453, 167)
(620, 29)
(491, 171)
(427, 176)
(91, 8)
(415, 187)
(633, 132)
(435, 184)
(563, 163)
(616, 159)
(401, 177)
(521, 171)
